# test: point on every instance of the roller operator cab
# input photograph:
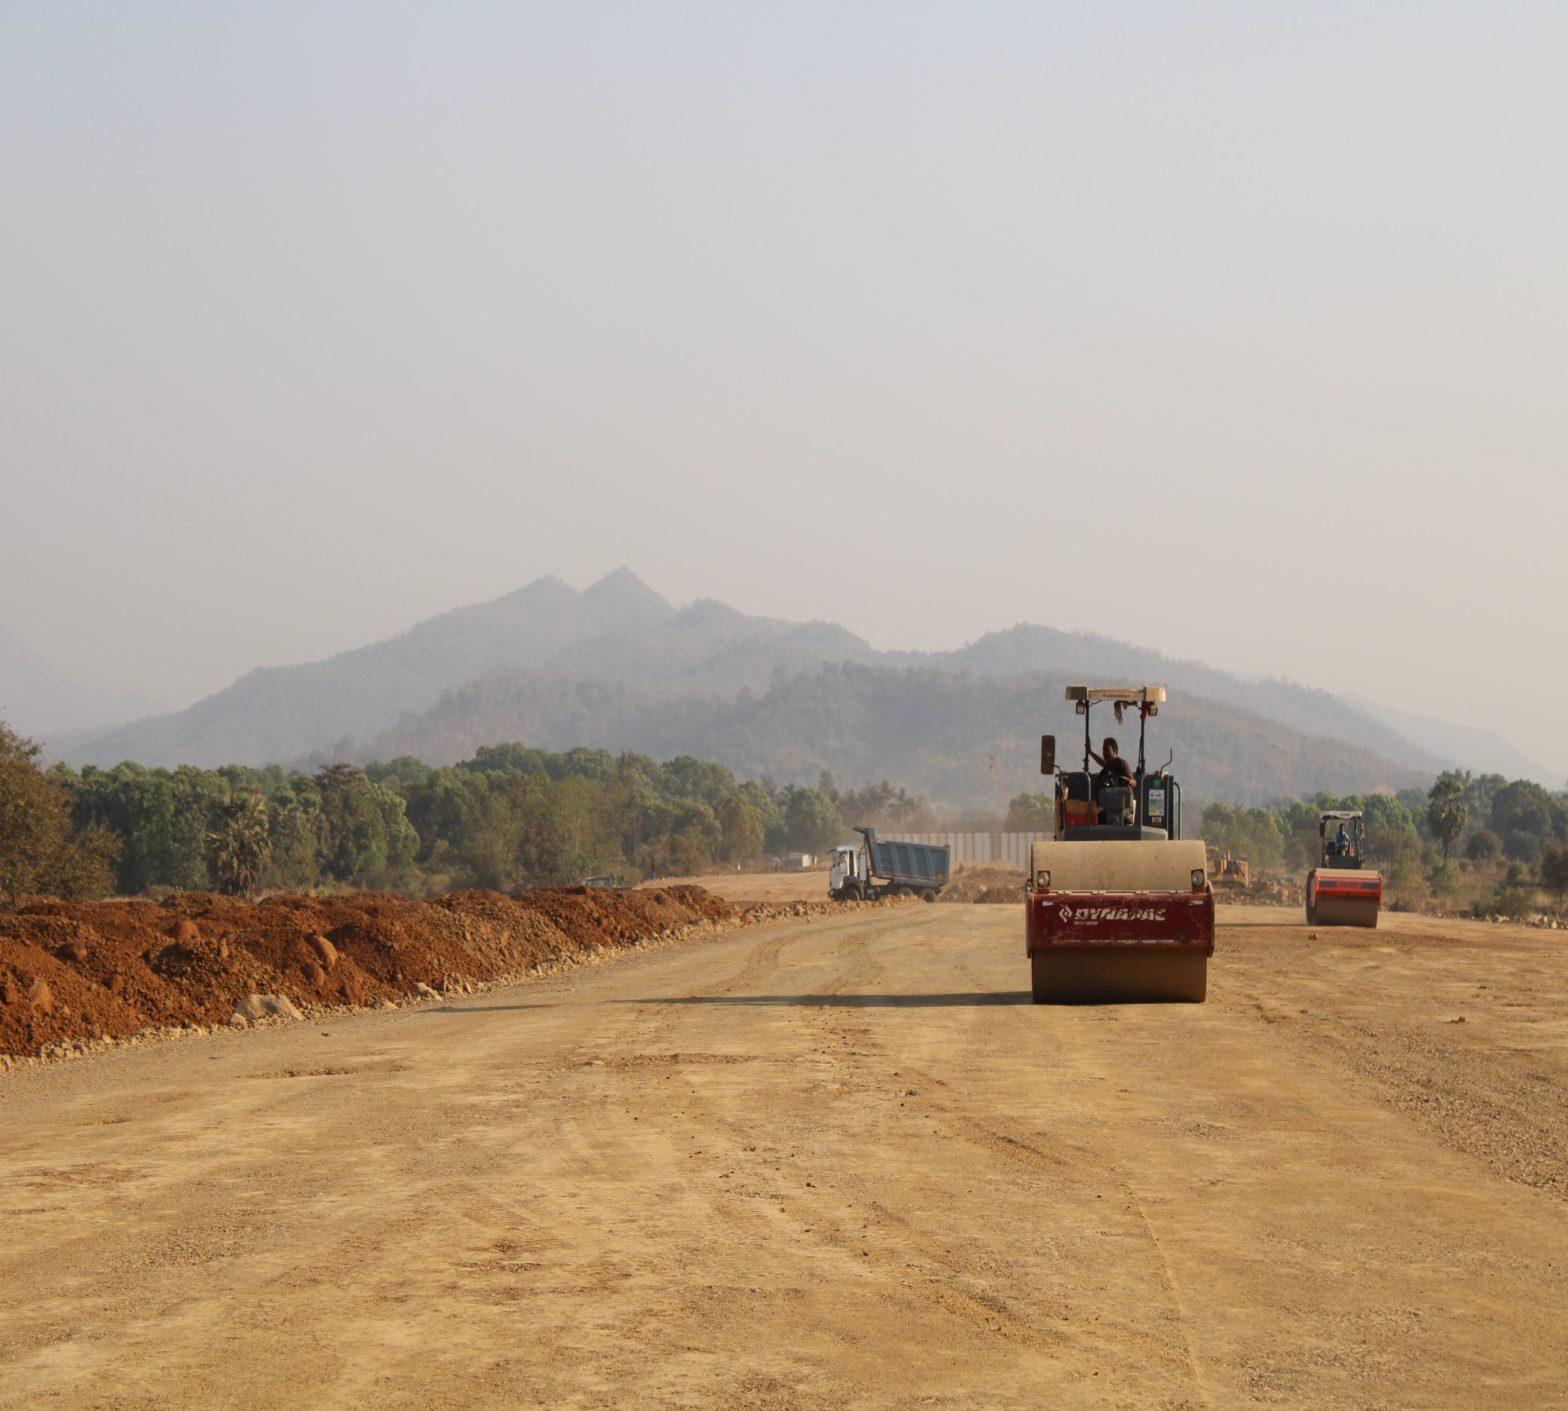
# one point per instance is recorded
(1119, 905)
(1342, 890)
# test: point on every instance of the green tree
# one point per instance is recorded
(1445, 810)
(692, 841)
(443, 808)
(293, 834)
(580, 763)
(239, 843)
(1303, 845)
(1523, 816)
(1392, 839)
(1031, 813)
(740, 828)
(1554, 871)
(1251, 833)
(1444, 877)
(1483, 845)
(690, 778)
(159, 815)
(881, 805)
(1479, 793)
(763, 797)
(40, 851)
(365, 836)
(812, 822)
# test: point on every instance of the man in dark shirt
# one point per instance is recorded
(1115, 772)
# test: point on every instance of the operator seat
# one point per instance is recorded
(1077, 803)
(1118, 806)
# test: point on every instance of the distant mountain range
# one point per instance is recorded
(618, 667)
(927, 728)
(36, 700)
(1483, 751)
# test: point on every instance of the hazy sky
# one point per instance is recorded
(1237, 330)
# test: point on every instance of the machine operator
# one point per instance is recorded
(1115, 772)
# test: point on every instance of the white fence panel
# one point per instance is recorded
(980, 847)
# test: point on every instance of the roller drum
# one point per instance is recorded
(1109, 975)
(1345, 911)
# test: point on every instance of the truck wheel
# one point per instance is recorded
(928, 895)
(853, 892)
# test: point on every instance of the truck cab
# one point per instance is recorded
(846, 868)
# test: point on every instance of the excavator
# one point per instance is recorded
(1118, 905)
(1342, 890)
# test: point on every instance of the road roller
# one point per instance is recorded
(1118, 905)
(1342, 890)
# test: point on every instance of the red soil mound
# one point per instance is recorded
(88, 970)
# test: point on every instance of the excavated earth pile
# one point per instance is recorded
(104, 970)
(985, 882)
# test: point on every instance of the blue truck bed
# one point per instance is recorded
(916, 865)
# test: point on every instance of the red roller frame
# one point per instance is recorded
(1123, 920)
(1356, 886)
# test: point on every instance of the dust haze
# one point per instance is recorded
(321, 323)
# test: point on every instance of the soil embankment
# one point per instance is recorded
(91, 971)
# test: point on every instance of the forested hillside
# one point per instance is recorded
(932, 730)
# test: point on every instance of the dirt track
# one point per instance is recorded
(830, 1164)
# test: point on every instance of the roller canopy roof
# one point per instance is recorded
(1127, 695)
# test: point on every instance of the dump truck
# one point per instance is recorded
(1118, 906)
(1342, 890)
(878, 868)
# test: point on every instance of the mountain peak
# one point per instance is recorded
(548, 583)
(626, 601)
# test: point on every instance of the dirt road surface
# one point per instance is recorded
(840, 1163)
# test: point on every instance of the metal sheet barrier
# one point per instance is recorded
(980, 847)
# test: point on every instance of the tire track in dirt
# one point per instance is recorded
(944, 1276)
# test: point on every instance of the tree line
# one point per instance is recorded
(512, 816)
(1476, 817)
(1479, 817)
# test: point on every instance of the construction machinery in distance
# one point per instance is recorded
(1342, 890)
(1119, 905)
(878, 868)
(1227, 873)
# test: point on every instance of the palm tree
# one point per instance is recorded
(239, 844)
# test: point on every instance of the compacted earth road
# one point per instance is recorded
(837, 1162)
